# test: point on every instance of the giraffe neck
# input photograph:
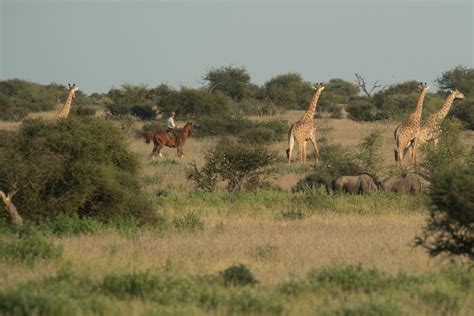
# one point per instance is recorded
(67, 106)
(416, 116)
(438, 117)
(309, 114)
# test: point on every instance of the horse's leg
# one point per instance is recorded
(160, 147)
(155, 147)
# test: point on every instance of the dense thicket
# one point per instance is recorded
(74, 167)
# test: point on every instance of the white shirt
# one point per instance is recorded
(171, 123)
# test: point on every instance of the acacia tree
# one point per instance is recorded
(450, 227)
(231, 81)
(460, 77)
(289, 90)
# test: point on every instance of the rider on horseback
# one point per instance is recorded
(172, 127)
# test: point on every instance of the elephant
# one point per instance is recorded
(411, 183)
(361, 184)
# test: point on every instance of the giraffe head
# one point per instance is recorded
(72, 89)
(424, 86)
(456, 93)
(318, 86)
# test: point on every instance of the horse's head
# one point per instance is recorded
(188, 127)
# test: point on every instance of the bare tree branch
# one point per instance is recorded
(7, 199)
(363, 85)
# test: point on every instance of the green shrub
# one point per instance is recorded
(83, 111)
(362, 110)
(29, 247)
(372, 309)
(63, 294)
(257, 107)
(238, 275)
(257, 135)
(135, 284)
(293, 214)
(75, 167)
(250, 301)
(220, 125)
(335, 160)
(189, 222)
(349, 278)
(445, 303)
(69, 225)
(143, 112)
(18, 97)
(450, 227)
(240, 166)
(450, 152)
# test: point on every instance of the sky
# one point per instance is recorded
(103, 44)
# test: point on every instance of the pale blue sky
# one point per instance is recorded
(103, 44)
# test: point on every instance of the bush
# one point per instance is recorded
(257, 107)
(257, 135)
(335, 160)
(143, 112)
(362, 110)
(450, 227)
(194, 103)
(18, 97)
(289, 91)
(189, 222)
(83, 111)
(464, 111)
(240, 166)
(238, 275)
(72, 225)
(450, 152)
(216, 125)
(73, 167)
(29, 247)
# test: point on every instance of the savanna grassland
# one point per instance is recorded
(264, 252)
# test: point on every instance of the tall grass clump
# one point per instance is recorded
(28, 246)
(238, 275)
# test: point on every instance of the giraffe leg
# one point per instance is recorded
(414, 152)
(300, 152)
(291, 145)
(304, 152)
(316, 148)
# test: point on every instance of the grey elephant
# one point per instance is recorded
(361, 184)
(411, 183)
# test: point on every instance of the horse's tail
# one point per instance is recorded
(148, 136)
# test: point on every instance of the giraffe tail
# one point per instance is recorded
(395, 136)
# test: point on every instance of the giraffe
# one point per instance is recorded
(304, 130)
(431, 129)
(64, 112)
(406, 133)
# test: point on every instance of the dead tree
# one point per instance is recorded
(11, 208)
(363, 85)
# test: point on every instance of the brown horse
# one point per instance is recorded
(163, 138)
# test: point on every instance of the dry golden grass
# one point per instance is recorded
(293, 247)
(274, 249)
